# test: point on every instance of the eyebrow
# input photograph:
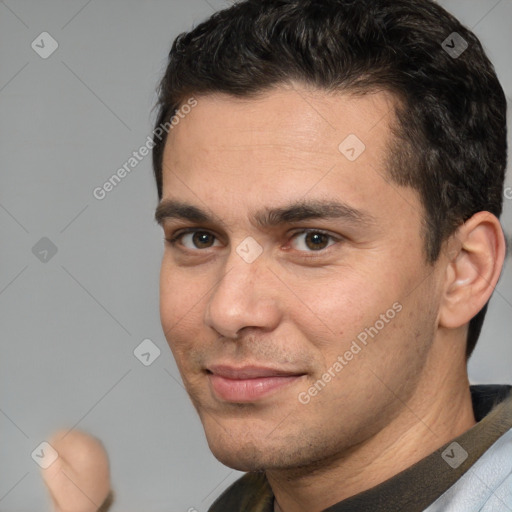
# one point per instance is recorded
(269, 217)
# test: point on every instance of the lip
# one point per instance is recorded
(248, 383)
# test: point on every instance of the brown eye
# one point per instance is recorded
(194, 239)
(202, 239)
(312, 240)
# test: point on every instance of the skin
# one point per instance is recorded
(79, 480)
(403, 395)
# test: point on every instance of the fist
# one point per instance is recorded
(79, 480)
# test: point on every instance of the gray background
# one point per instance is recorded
(69, 325)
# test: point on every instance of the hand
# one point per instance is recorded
(79, 480)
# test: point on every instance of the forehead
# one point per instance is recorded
(293, 117)
(285, 144)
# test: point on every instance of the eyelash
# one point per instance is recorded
(321, 252)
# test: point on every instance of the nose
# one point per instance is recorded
(244, 296)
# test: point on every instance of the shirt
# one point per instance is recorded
(416, 488)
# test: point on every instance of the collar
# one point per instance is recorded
(413, 489)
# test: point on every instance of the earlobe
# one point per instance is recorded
(475, 259)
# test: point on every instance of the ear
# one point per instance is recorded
(476, 253)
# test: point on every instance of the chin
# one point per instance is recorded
(249, 453)
(238, 452)
(241, 461)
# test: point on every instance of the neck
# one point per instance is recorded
(436, 414)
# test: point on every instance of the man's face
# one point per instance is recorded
(297, 336)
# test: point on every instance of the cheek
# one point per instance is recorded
(180, 306)
(338, 306)
(351, 311)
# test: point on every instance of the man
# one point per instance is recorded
(330, 189)
(330, 176)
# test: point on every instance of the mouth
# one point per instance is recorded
(248, 383)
